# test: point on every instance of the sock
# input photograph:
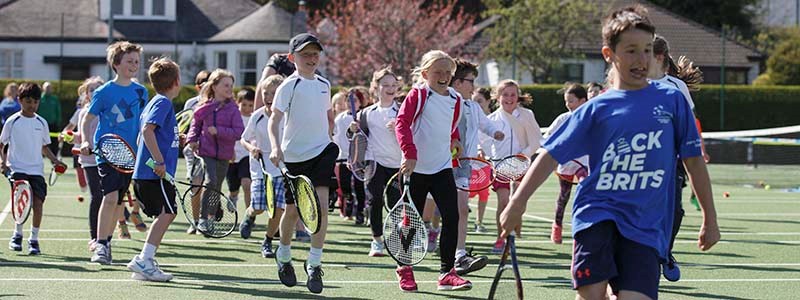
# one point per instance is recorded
(315, 257)
(34, 234)
(18, 230)
(103, 242)
(235, 199)
(284, 253)
(148, 251)
(268, 240)
(460, 253)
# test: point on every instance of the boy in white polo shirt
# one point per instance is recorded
(306, 149)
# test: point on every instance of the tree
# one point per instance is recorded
(361, 36)
(783, 66)
(538, 34)
(739, 14)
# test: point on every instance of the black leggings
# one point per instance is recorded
(563, 198)
(680, 183)
(375, 188)
(345, 180)
(96, 199)
(443, 189)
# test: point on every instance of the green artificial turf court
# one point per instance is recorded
(758, 257)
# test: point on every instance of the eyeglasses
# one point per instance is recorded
(470, 80)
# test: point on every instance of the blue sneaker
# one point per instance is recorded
(302, 236)
(671, 270)
(15, 243)
(33, 247)
(246, 228)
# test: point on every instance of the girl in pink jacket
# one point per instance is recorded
(215, 128)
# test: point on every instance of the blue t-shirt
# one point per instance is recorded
(7, 108)
(634, 140)
(118, 109)
(158, 111)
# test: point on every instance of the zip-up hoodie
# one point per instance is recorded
(228, 121)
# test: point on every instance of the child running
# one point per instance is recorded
(353, 196)
(305, 148)
(634, 133)
(473, 123)
(256, 140)
(216, 127)
(159, 142)
(574, 97)
(117, 104)
(524, 137)
(27, 137)
(239, 169)
(483, 97)
(426, 132)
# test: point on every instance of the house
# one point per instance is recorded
(66, 39)
(701, 44)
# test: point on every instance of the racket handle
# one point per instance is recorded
(152, 164)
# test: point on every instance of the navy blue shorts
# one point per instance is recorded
(112, 180)
(38, 186)
(601, 253)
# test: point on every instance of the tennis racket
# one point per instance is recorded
(184, 120)
(501, 287)
(269, 189)
(218, 209)
(573, 171)
(357, 162)
(21, 198)
(406, 235)
(55, 172)
(393, 191)
(115, 151)
(306, 200)
(511, 168)
(481, 173)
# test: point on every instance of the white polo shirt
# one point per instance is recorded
(25, 137)
(305, 104)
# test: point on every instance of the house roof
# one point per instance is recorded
(699, 43)
(269, 23)
(197, 20)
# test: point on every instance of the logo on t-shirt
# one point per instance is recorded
(624, 161)
(660, 114)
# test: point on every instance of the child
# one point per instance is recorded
(305, 148)
(524, 137)
(27, 136)
(473, 122)
(118, 105)
(426, 132)
(574, 97)
(88, 162)
(10, 105)
(256, 140)
(239, 169)
(71, 126)
(197, 178)
(377, 121)
(216, 126)
(483, 97)
(593, 89)
(341, 136)
(633, 134)
(159, 142)
(664, 70)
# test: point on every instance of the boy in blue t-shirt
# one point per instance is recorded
(159, 142)
(633, 134)
(118, 104)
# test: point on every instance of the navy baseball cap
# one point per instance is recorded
(302, 40)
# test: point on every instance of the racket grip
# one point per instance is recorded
(152, 164)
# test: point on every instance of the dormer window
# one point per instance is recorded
(163, 10)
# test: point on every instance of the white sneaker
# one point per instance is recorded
(376, 249)
(148, 269)
(102, 254)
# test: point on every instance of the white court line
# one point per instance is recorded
(361, 282)
(526, 215)
(344, 242)
(5, 212)
(270, 264)
(758, 215)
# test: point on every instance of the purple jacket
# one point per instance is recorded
(228, 122)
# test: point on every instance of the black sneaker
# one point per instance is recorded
(33, 247)
(359, 219)
(468, 264)
(15, 243)
(286, 273)
(266, 250)
(314, 282)
(246, 228)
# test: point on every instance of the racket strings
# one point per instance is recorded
(512, 168)
(405, 235)
(116, 152)
(305, 201)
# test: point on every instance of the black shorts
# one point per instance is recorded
(601, 253)
(237, 171)
(112, 180)
(319, 169)
(153, 199)
(38, 185)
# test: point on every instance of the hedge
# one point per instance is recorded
(746, 107)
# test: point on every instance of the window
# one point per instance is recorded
(137, 7)
(571, 72)
(10, 63)
(247, 68)
(159, 7)
(116, 7)
(222, 59)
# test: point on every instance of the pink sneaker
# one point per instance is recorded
(555, 233)
(499, 246)
(452, 282)
(406, 276)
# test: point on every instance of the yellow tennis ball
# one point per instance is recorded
(766, 187)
